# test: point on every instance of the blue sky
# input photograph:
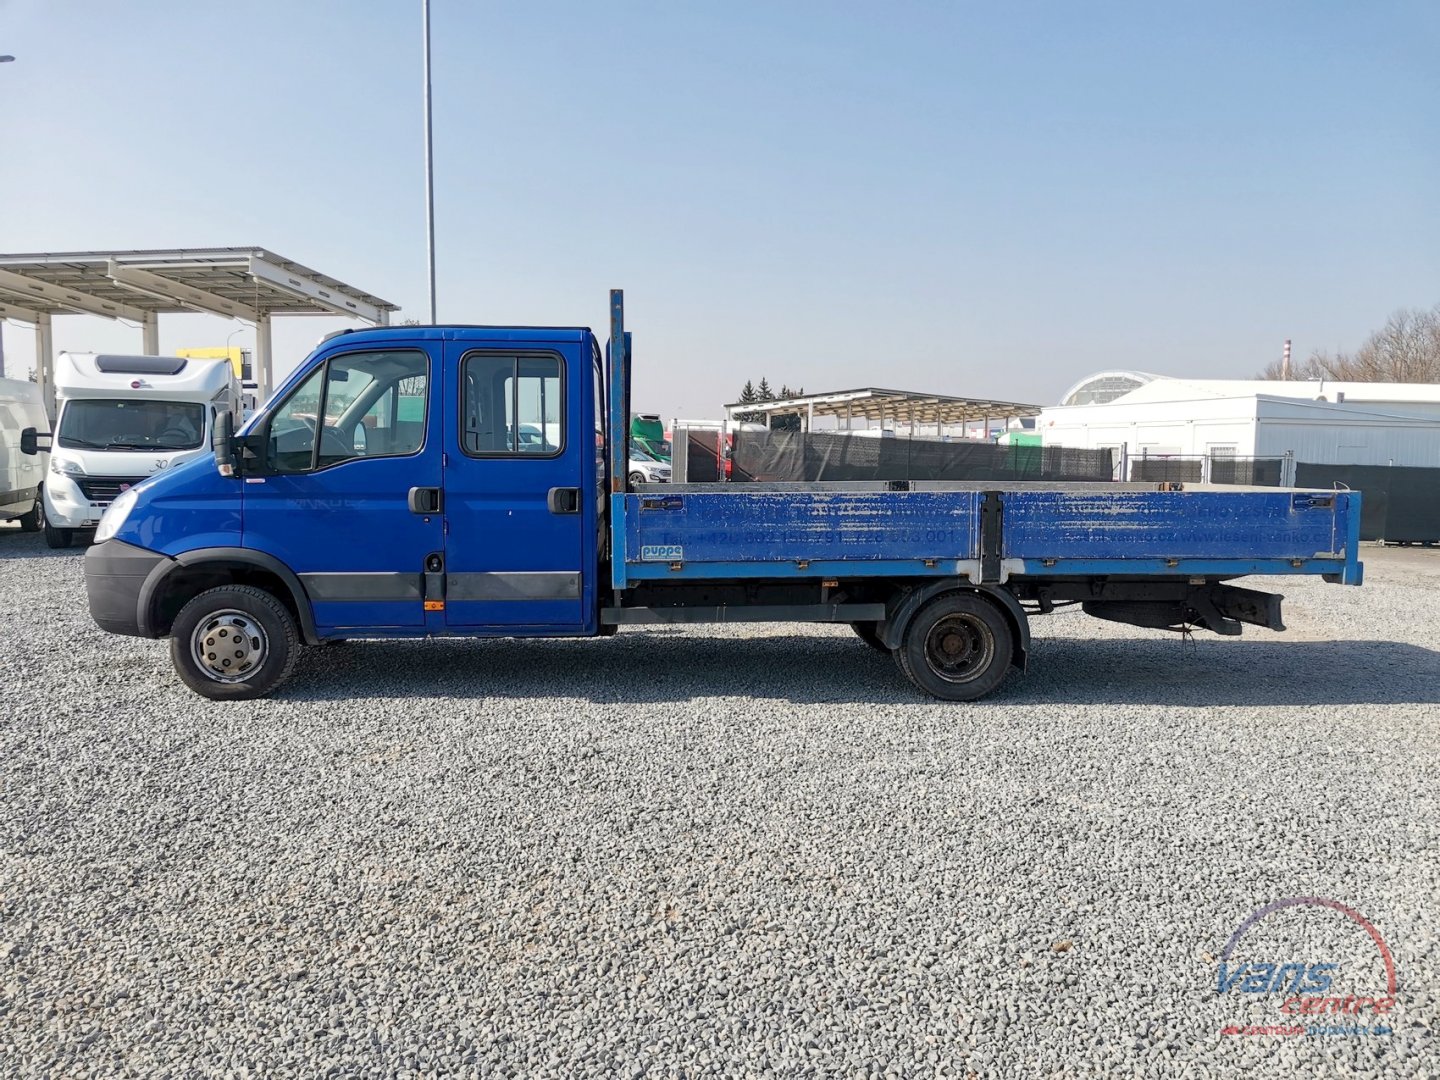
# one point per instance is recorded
(962, 198)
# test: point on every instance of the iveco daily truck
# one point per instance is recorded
(394, 487)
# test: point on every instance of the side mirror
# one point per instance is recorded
(30, 442)
(224, 443)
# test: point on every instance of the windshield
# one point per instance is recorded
(131, 425)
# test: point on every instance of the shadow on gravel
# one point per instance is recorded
(15, 543)
(657, 667)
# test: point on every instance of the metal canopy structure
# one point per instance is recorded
(900, 406)
(248, 283)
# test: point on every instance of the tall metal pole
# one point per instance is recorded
(429, 167)
(7, 59)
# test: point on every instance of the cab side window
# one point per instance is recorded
(292, 431)
(357, 405)
(512, 405)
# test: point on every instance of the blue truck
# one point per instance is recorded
(440, 481)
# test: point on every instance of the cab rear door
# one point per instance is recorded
(519, 511)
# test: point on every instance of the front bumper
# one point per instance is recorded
(66, 506)
(115, 575)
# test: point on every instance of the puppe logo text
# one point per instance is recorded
(1308, 991)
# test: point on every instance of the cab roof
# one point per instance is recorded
(465, 332)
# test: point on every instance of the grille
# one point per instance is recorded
(105, 488)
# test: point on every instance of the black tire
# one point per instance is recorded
(234, 613)
(30, 522)
(957, 647)
(57, 538)
(636, 478)
(868, 632)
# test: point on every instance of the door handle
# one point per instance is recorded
(424, 500)
(563, 500)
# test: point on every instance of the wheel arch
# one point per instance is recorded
(172, 583)
(905, 606)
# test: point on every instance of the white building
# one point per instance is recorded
(1326, 423)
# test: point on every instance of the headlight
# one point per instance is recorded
(115, 515)
(65, 467)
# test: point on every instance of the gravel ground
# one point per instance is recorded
(729, 851)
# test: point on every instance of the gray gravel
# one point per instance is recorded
(729, 851)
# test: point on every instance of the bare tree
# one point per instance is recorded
(1406, 349)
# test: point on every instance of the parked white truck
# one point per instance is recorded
(20, 474)
(121, 419)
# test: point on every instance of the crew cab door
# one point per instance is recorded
(355, 511)
(518, 555)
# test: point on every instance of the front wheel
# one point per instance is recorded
(30, 521)
(58, 538)
(636, 479)
(234, 642)
(957, 647)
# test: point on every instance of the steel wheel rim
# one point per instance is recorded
(229, 646)
(959, 647)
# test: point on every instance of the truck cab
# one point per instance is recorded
(404, 481)
(401, 460)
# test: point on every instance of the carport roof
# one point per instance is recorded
(235, 282)
(902, 406)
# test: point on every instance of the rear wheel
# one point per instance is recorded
(957, 647)
(234, 642)
(869, 633)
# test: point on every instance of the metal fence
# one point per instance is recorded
(828, 455)
(1399, 503)
(1205, 469)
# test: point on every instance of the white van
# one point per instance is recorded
(21, 475)
(119, 420)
